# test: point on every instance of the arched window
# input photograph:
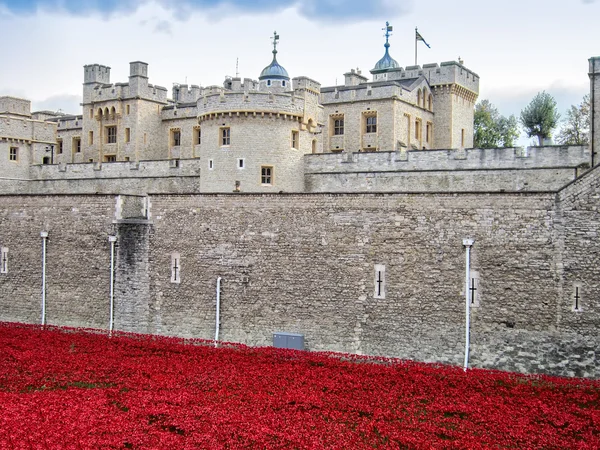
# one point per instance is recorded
(419, 97)
(106, 112)
(100, 113)
(424, 97)
(314, 146)
(113, 111)
(430, 105)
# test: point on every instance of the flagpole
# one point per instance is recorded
(416, 42)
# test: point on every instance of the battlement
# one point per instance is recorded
(96, 73)
(235, 84)
(300, 83)
(182, 93)
(449, 72)
(222, 100)
(14, 106)
(496, 169)
(68, 122)
(366, 91)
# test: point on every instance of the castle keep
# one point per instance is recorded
(337, 213)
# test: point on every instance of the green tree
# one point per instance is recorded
(540, 117)
(576, 126)
(491, 128)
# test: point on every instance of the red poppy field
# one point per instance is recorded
(75, 389)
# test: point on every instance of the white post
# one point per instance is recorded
(44, 236)
(218, 314)
(468, 243)
(112, 240)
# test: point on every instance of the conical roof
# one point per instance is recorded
(274, 70)
(385, 63)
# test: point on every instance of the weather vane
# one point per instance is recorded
(275, 39)
(387, 29)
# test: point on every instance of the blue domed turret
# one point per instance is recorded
(387, 62)
(274, 71)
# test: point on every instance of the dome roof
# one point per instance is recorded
(386, 63)
(274, 70)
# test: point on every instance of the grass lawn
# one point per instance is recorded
(75, 389)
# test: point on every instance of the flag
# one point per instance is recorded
(389, 28)
(420, 38)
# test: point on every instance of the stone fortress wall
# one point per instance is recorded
(535, 307)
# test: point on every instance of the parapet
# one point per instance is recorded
(594, 64)
(354, 78)
(14, 106)
(184, 94)
(96, 73)
(138, 69)
(306, 83)
(249, 102)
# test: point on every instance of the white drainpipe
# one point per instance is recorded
(218, 316)
(112, 240)
(44, 236)
(468, 243)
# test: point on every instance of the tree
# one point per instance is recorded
(540, 117)
(492, 129)
(576, 126)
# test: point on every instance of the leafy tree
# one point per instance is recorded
(576, 126)
(540, 117)
(492, 129)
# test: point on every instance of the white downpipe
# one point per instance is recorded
(44, 236)
(468, 243)
(218, 314)
(111, 322)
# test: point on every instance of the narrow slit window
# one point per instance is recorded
(577, 297)
(379, 282)
(4, 260)
(175, 268)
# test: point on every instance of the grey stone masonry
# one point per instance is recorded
(502, 169)
(595, 108)
(304, 263)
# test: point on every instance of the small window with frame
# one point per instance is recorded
(225, 136)
(266, 175)
(371, 124)
(13, 154)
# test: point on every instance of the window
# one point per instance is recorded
(462, 137)
(240, 163)
(371, 124)
(419, 97)
(295, 139)
(59, 148)
(175, 268)
(91, 113)
(428, 132)
(127, 109)
(175, 138)
(4, 260)
(314, 146)
(13, 154)
(266, 175)
(91, 138)
(211, 164)
(225, 136)
(283, 83)
(379, 281)
(430, 105)
(76, 145)
(338, 127)
(268, 82)
(127, 134)
(197, 136)
(111, 135)
(418, 129)
(577, 297)
(110, 158)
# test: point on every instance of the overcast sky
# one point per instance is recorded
(517, 47)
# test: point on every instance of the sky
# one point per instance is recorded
(517, 47)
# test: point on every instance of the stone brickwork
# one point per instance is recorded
(506, 169)
(305, 263)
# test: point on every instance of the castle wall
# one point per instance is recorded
(184, 119)
(505, 169)
(274, 254)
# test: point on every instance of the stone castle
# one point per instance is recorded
(337, 213)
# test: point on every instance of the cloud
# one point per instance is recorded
(318, 10)
(588, 2)
(66, 103)
(163, 26)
